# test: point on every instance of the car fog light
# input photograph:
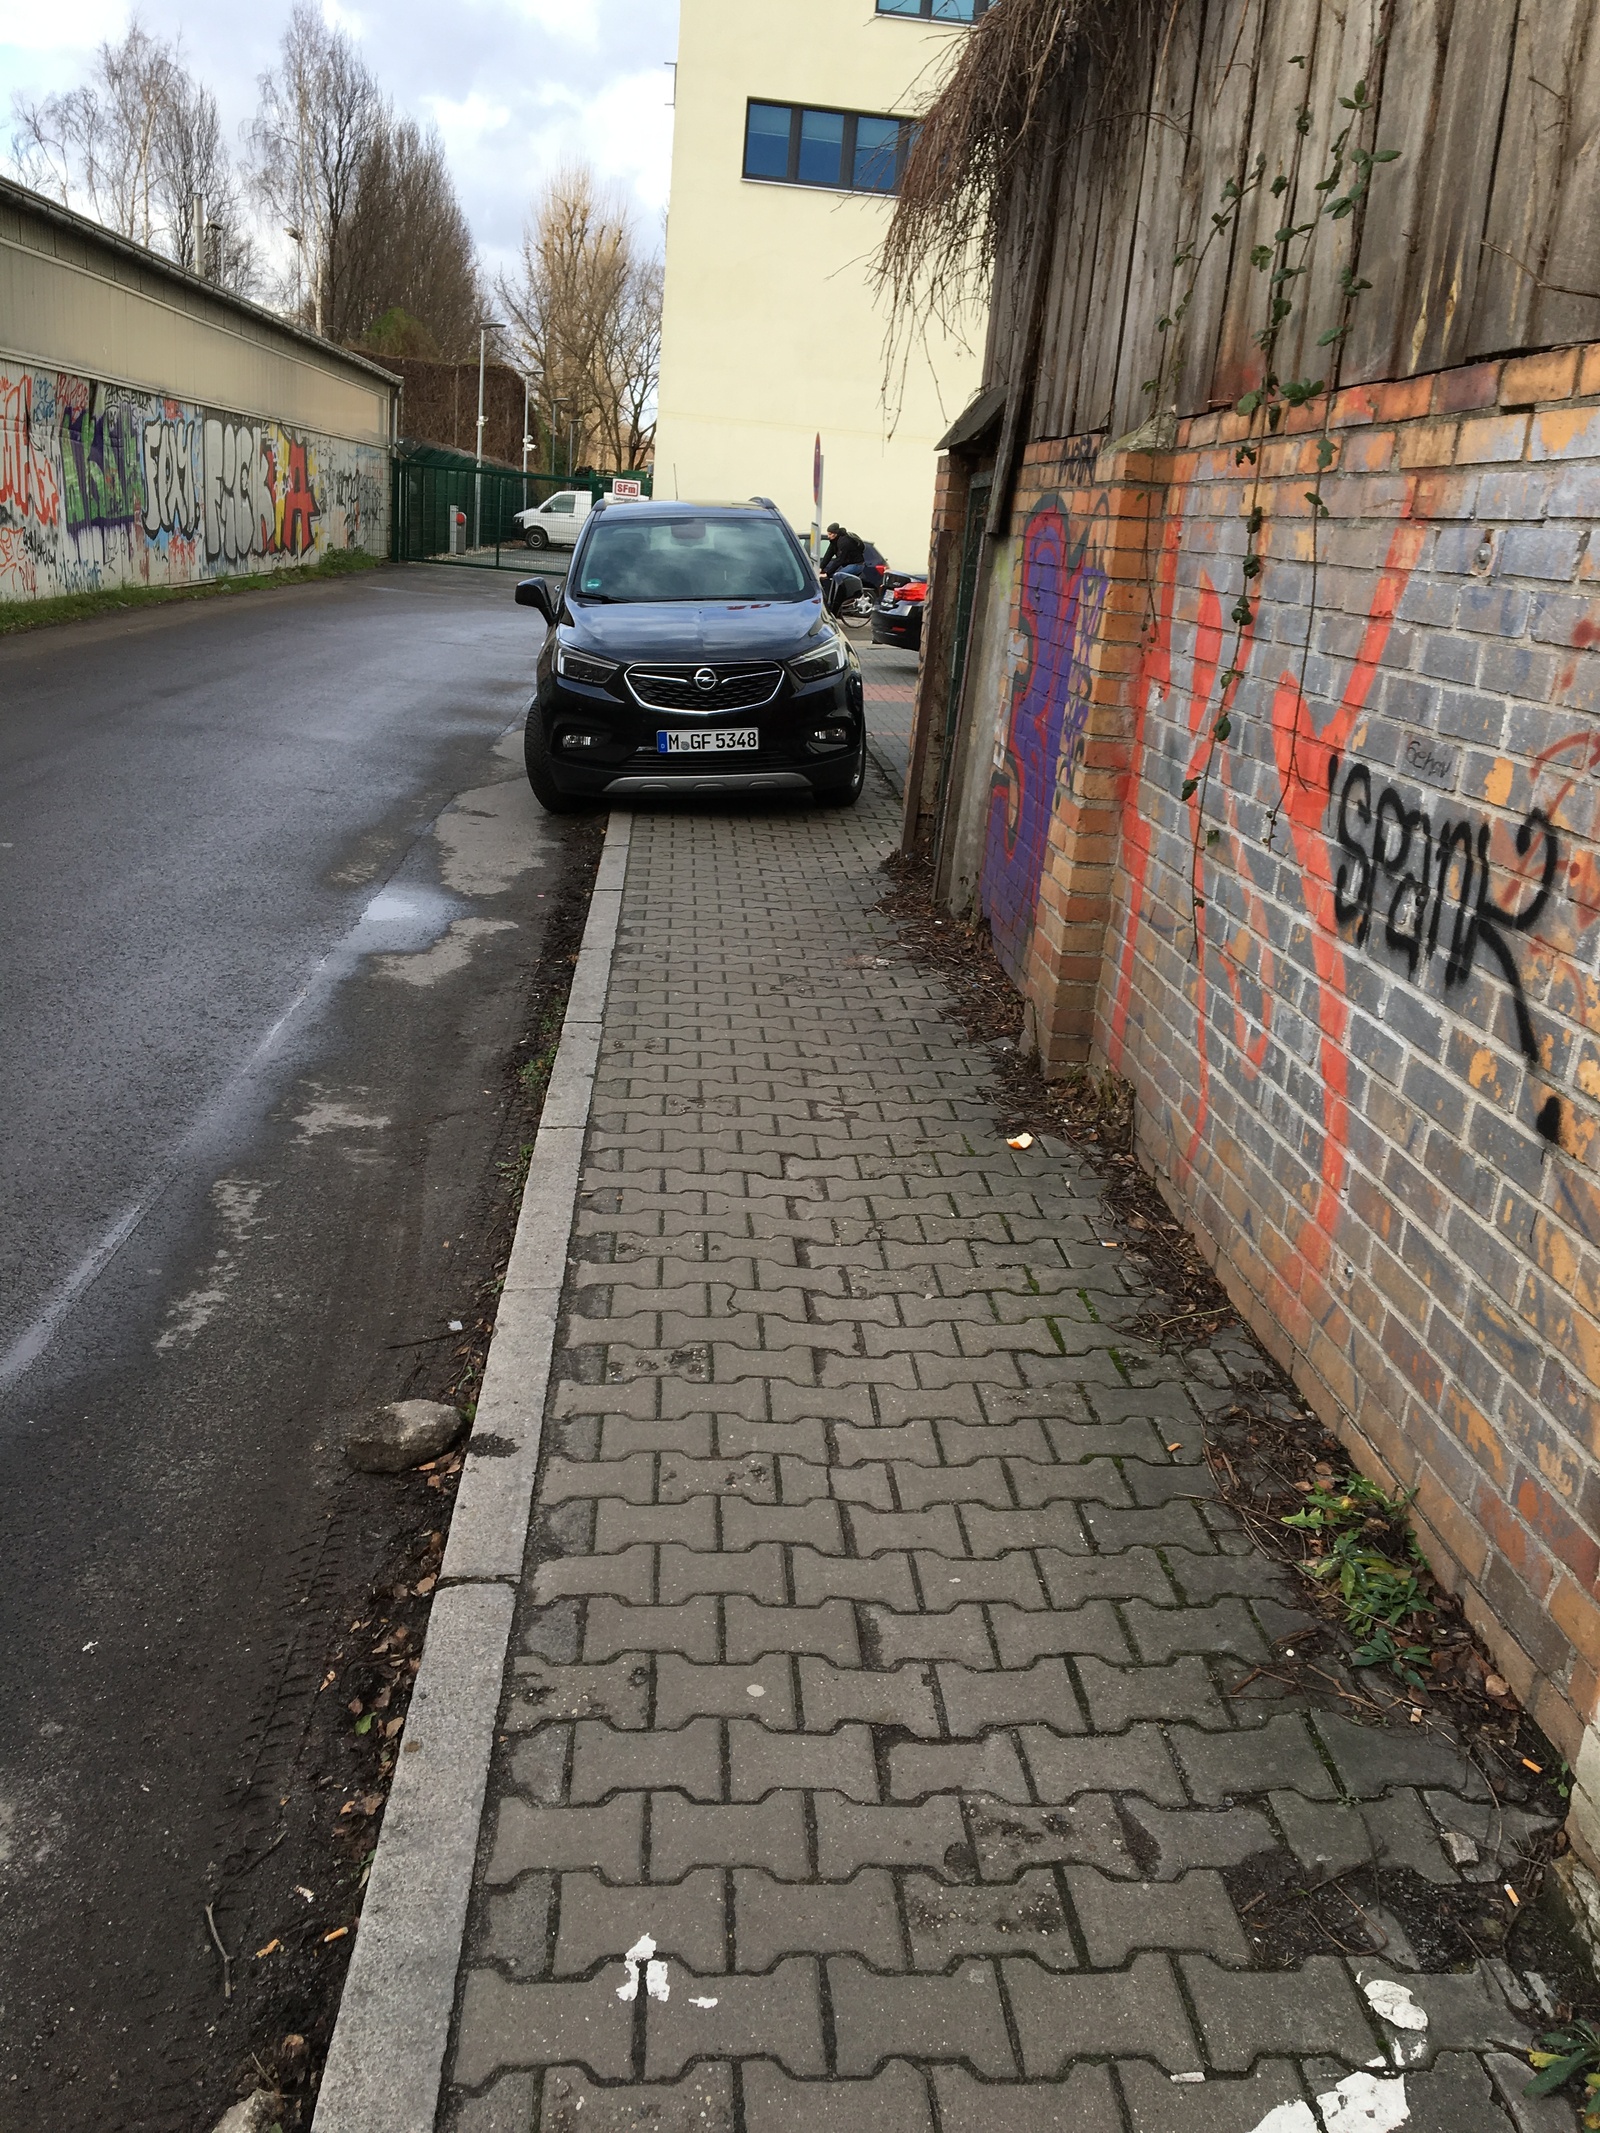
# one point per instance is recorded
(582, 740)
(831, 733)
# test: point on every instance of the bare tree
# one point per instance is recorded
(585, 310)
(406, 264)
(313, 134)
(131, 146)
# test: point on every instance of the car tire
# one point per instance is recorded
(847, 795)
(536, 756)
(536, 538)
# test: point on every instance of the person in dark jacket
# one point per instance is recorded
(844, 550)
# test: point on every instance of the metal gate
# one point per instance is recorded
(448, 509)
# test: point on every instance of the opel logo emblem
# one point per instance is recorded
(705, 680)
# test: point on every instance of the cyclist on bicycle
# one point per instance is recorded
(850, 567)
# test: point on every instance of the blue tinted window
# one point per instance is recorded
(877, 140)
(937, 10)
(821, 147)
(766, 141)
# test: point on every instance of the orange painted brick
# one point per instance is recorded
(1527, 379)
(1401, 399)
(1491, 439)
(1458, 391)
(1461, 1536)
(1427, 444)
(1577, 1615)
(1570, 1543)
(1589, 369)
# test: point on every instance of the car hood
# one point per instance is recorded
(681, 631)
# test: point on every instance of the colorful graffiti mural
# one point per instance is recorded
(1061, 597)
(101, 486)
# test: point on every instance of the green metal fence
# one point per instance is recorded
(447, 509)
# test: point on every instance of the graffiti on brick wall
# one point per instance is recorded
(1442, 880)
(1061, 598)
(101, 486)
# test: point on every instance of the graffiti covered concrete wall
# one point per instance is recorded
(103, 486)
(1367, 1053)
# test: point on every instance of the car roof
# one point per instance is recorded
(663, 506)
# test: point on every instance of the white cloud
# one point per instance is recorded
(67, 32)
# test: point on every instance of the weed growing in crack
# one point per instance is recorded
(1364, 1547)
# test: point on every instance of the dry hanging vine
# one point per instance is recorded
(1341, 191)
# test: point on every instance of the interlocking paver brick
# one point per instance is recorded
(947, 1920)
(778, 2016)
(1043, 1691)
(769, 1833)
(702, 2102)
(1062, 2018)
(773, 1918)
(1093, 1628)
(1159, 2105)
(610, 1837)
(761, 1762)
(605, 1760)
(989, 1766)
(877, 1636)
(1118, 1917)
(1010, 1578)
(1182, 1689)
(685, 1690)
(900, 1696)
(894, 2101)
(827, 1631)
(1245, 2015)
(598, 1923)
(686, 1573)
(1283, 1752)
(612, 1626)
(509, 2025)
(1084, 2102)
(1397, 1829)
(851, 1836)
(956, 2017)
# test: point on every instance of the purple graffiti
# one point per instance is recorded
(1063, 595)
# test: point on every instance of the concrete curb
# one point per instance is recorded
(387, 2055)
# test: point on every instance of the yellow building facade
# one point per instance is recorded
(791, 126)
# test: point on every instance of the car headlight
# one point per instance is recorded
(583, 666)
(828, 658)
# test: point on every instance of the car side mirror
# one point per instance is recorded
(534, 592)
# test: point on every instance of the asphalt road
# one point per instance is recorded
(272, 892)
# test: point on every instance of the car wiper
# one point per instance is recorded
(600, 599)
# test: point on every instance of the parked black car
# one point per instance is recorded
(897, 617)
(688, 652)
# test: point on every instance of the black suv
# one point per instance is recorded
(688, 653)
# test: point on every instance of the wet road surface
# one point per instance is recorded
(272, 894)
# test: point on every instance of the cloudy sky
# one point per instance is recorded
(515, 86)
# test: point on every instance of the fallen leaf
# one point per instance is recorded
(1496, 1685)
(355, 1707)
(424, 1586)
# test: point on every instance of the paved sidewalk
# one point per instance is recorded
(867, 1761)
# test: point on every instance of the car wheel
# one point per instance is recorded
(536, 538)
(848, 794)
(536, 755)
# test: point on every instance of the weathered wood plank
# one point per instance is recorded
(1345, 61)
(1572, 262)
(1413, 79)
(1069, 291)
(1219, 149)
(1158, 220)
(1120, 153)
(1435, 298)
(1534, 147)
(1290, 29)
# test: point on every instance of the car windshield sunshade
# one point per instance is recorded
(690, 559)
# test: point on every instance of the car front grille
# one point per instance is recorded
(674, 689)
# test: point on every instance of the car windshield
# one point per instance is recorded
(628, 558)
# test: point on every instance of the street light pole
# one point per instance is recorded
(485, 328)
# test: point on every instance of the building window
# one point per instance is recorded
(846, 151)
(937, 10)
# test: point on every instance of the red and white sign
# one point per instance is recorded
(621, 491)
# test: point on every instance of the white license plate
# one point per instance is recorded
(706, 740)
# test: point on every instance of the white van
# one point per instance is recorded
(556, 522)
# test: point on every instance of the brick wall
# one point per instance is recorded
(1368, 1061)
